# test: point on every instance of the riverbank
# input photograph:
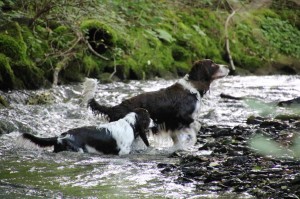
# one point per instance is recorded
(233, 165)
(42, 44)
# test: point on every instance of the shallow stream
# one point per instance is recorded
(35, 173)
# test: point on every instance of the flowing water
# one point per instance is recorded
(28, 172)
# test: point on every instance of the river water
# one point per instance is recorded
(29, 172)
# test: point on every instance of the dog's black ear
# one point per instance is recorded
(143, 135)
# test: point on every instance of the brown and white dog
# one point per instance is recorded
(175, 107)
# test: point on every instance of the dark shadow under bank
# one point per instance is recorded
(234, 167)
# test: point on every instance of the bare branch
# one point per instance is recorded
(115, 69)
(59, 66)
(93, 51)
(227, 40)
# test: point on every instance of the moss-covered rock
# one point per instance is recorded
(41, 98)
(7, 127)
(100, 35)
(288, 117)
(3, 103)
(13, 46)
(7, 77)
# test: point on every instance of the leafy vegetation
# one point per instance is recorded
(62, 41)
(282, 36)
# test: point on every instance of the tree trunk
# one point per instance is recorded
(59, 66)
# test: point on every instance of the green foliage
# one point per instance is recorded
(90, 64)
(248, 48)
(36, 47)
(164, 35)
(282, 36)
(61, 38)
(10, 47)
(200, 33)
(142, 40)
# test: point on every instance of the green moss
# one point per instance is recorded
(182, 67)
(31, 76)
(199, 33)
(7, 77)
(62, 38)
(11, 48)
(179, 53)
(248, 46)
(36, 47)
(14, 47)
(3, 103)
(150, 57)
(14, 30)
(150, 39)
(90, 64)
(41, 98)
(100, 35)
(61, 30)
(127, 65)
(73, 72)
(162, 62)
(288, 117)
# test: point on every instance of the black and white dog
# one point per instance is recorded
(175, 107)
(111, 138)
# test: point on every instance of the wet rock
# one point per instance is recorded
(236, 160)
(274, 124)
(254, 120)
(290, 118)
(226, 96)
(222, 132)
(10, 126)
(3, 102)
(166, 168)
(7, 127)
(41, 98)
(291, 102)
(233, 166)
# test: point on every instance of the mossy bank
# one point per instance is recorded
(42, 43)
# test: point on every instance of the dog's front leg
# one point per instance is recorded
(186, 137)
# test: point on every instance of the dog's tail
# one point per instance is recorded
(41, 142)
(89, 90)
(100, 109)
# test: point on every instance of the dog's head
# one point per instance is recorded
(142, 124)
(205, 71)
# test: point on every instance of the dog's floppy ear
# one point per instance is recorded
(142, 124)
(143, 135)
